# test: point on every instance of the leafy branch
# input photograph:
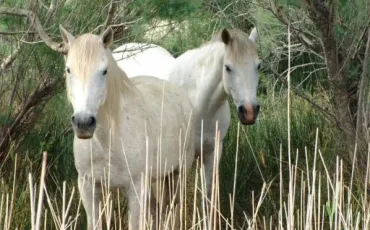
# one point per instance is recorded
(36, 24)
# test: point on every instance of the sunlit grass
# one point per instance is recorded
(308, 199)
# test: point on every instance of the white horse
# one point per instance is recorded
(130, 56)
(226, 65)
(117, 124)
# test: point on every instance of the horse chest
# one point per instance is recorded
(96, 161)
(208, 121)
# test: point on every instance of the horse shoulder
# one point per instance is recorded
(161, 91)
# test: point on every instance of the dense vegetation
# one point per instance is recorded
(323, 45)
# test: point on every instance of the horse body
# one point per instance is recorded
(130, 56)
(118, 125)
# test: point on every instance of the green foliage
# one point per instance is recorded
(171, 10)
(4, 24)
(83, 16)
(260, 146)
(189, 35)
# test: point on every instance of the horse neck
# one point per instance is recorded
(208, 68)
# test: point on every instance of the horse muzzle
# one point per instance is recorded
(248, 113)
(83, 125)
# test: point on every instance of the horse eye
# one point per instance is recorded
(227, 68)
(105, 72)
(68, 70)
(259, 66)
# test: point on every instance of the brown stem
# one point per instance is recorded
(10, 59)
(322, 15)
(361, 89)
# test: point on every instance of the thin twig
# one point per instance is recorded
(9, 33)
(124, 24)
(41, 192)
(361, 39)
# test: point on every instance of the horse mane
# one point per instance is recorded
(119, 87)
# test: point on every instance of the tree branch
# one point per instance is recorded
(112, 9)
(52, 7)
(10, 59)
(35, 22)
(305, 97)
(24, 117)
(302, 36)
(321, 14)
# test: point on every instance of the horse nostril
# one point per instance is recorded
(241, 109)
(256, 109)
(82, 121)
(92, 121)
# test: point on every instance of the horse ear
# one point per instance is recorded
(107, 37)
(225, 36)
(67, 37)
(253, 35)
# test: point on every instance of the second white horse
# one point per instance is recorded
(226, 65)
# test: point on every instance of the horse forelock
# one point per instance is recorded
(85, 54)
(240, 45)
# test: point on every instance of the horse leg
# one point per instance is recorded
(174, 190)
(163, 196)
(136, 195)
(171, 200)
(209, 171)
(90, 196)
